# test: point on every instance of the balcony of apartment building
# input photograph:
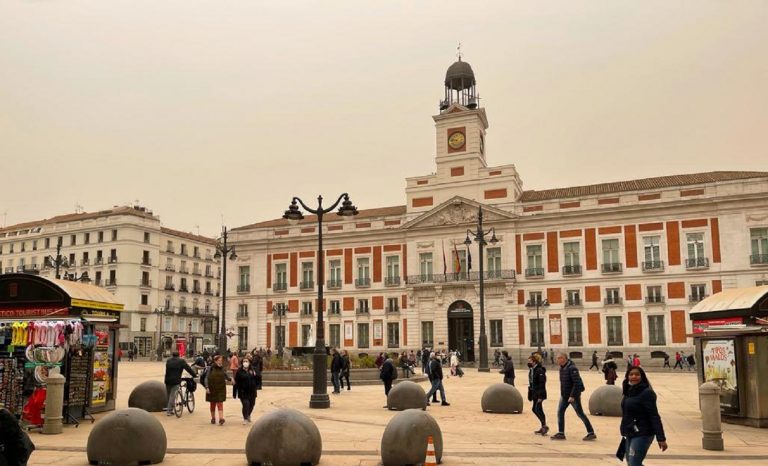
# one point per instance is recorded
(362, 312)
(363, 282)
(146, 262)
(197, 272)
(573, 302)
(183, 288)
(334, 313)
(170, 287)
(197, 290)
(98, 261)
(459, 277)
(571, 270)
(243, 288)
(183, 310)
(145, 284)
(534, 272)
(170, 268)
(209, 273)
(170, 249)
(196, 311)
(183, 270)
(393, 309)
(392, 281)
(112, 259)
(307, 285)
(305, 314)
(695, 298)
(333, 284)
(208, 292)
(110, 282)
(653, 266)
(85, 261)
(611, 267)
(241, 314)
(697, 263)
(758, 259)
(654, 299)
(32, 269)
(613, 301)
(196, 255)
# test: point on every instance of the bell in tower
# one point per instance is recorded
(459, 86)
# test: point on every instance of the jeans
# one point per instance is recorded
(387, 386)
(637, 448)
(579, 412)
(171, 391)
(248, 402)
(538, 410)
(345, 376)
(437, 384)
(336, 383)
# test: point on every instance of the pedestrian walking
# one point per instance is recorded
(571, 387)
(345, 370)
(594, 361)
(508, 369)
(552, 356)
(380, 360)
(678, 361)
(537, 390)
(174, 366)
(635, 360)
(544, 357)
(337, 363)
(666, 360)
(425, 361)
(609, 371)
(16, 444)
(436, 370)
(215, 382)
(234, 365)
(429, 376)
(388, 374)
(454, 363)
(640, 420)
(691, 362)
(245, 380)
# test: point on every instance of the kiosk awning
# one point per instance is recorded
(732, 300)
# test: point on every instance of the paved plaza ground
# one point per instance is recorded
(351, 429)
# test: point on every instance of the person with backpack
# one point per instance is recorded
(571, 388)
(691, 362)
(174, 367)
(345, 370)
(609, 371)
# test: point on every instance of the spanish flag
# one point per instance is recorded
(456, 262)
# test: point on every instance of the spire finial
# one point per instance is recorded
(458, 51)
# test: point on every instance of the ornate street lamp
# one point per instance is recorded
(537, 304)
(279, 334)
(479, 237)
(160, 312)
(319, 397)
(222, 250)
(59, 261)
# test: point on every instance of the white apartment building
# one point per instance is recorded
(162, 276)
(614, 266)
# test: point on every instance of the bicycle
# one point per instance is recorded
(185, 396)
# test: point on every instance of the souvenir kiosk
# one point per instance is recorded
(730, 332)
(48, 324)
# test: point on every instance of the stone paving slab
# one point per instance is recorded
(351, 429)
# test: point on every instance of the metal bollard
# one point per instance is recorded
(54, 404)
(709, 399)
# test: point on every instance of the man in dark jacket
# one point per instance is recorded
(436, 374)
(387, 375)
(337, 364)
(173, 369)
(571, 387)
(425, 361)
(509, 368)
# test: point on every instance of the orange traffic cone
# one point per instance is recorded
(430, 460)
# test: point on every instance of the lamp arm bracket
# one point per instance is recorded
(306, 207)
(335, 204)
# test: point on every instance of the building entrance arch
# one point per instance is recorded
(461, 332)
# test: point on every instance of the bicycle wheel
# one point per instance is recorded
(190, 402)
(178, 406)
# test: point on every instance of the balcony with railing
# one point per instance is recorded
(333, 284)
(145, 283)
(146, 261)
(362, 282)
(279, 286)
(613, 301)
(308, 285)
(304, 314)
(243, 287)
(113, 259)
(208, 292)
(242, 314)
(196, 311)
(363, 311)
(393, 309)
(209, 274)
(110, 282)
(182, 309)
(170, 287)
(391, 281)
(534, 272)
(653, 266)
(697, 263)
(695, 298)
(183, 270)
(85, 261)
(184, 288)
(490, 275)
(197, 290)
(197, 272)
(758, 259)
(98, 261)
(170, 268)
(573, 302)
(612, 267)
(170, 249)
(571, 270)
(657, 299)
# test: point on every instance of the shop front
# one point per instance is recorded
(47, 325)
(730, 333)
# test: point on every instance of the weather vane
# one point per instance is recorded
(458, 51)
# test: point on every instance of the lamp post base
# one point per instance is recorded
(483, 369)
(319, 401)
(483, 342)
(319, 398)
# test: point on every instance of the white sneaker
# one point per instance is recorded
(245, 422)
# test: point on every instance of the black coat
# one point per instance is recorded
(638, 409)
(173, 369)
(571, 384)
(508, 370)
(387, 371)
(337, 364)
(245, 381)
(346, 367)
(435, 370)
(537, 390)
(17, 446)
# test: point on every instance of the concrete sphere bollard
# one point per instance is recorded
(150, 396)
(405, 438)
(606, 401)
(407, 395)
(285, 437)
(127, 437)
(502, 398)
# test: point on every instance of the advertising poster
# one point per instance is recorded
(719, 359)
(348, 330)
(377, 330)
(555, 327)
(101, 366)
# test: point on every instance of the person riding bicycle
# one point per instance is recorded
(173, 369)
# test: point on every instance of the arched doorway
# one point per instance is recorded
(461, 329)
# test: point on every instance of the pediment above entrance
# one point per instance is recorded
(458, 211)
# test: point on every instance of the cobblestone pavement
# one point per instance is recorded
(351, 429)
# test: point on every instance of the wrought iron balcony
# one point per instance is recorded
(196, 290)
(183, 270)
(170, 287)
(182, 309)
(654, 299)
(391, 281)
(243, 288)
(362, 282)
(208, 292)
(653, 266)
(535, 272)
(110, 282)
(183, 288)
(613, 301)
(279, 286)
(362, 311)
(697, 263)
(460, 277)
(146, 284)
(333, 284)
(304, 314)
(85, 261)
(146, 261)
(242, 314)
(612, 267)
(196, 310)
(209, 274)
(695, 298)
(308, 285)
(575, 302)
(393, 309)
(758, 259)
(571, 270)
(197, 272)
(113, 259)
(98, 261)
(170, 268)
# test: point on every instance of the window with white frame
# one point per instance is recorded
(571, 251)
(535, 297)
(537, 332)
(535, 260)
(652, 252)
(393, 270)
(698, 292)
(182, 324)
(195, 326)
(167, 324)
(573, 297)
(393, 335)
(427, 334)
(307, 275)
(334, 334)
(575, 337)
(759, 243)
(362, 306)
(493, 262)
(334, 306)
(695, 243)
(362, 336)
(656, 335)
(654, 294)
(306, 308)
(614, 330)
(425, 265)
(281, 275)
(612, 296)
(242, 338)
(497, 332)
(392, 305)
(334, 273)
(245, 278)
(611, 251)
(363, 270)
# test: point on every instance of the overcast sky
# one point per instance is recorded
(204, 109)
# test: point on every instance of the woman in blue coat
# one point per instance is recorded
(640, 420)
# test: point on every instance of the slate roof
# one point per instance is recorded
(330, 218)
